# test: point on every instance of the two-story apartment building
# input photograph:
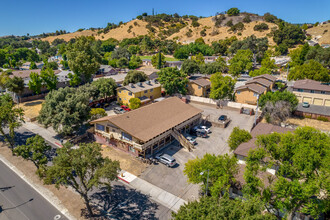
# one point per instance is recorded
(250, 92)
(148, 129)
(145, 91)
(313, 92)
(199, 86)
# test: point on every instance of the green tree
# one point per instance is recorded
(135, 62)
(35, 150)
(33, 66)
(83, 59)
(222, 209)
(221, 86)
(233, 12)
(76, 111)
(302, 178)
(190, 67)
(106, 87)
(267, 67)
(211, 68)
(241, 62)
(83, 169)
(15, 85)
(288, 34)
(181, 53)
(122, 62)
(134, 76)
(4, 77)
(134, 103)
(279, 96)
(35, 83)
(11, 118)
(199, 58)
(173, 81)
(237, 137)
(75, 80)
(155, 60)
(310, 70)
(97, 113)
(222, 170)
(49, 79)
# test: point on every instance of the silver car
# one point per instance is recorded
(191, 140)
(166, 159)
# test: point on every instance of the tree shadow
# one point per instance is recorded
(123, 203)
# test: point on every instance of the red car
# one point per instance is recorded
(125, 108)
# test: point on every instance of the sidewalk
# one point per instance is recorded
(159, 195)
(47, 134)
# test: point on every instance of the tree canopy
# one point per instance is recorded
(221, 86)
(190, 67)
(82, 169)
(279, 96)
(155, 60)
(35, 83)
(135, 76)
(173, 81)
(134, 103)
(105, 86)
(241, 62)
(49, 79)
(237, 137)
(310, 70)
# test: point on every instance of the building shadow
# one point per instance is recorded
(123, 203)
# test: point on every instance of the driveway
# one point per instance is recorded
(173, 179)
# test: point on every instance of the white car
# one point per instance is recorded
(205, 128)
(191, 140)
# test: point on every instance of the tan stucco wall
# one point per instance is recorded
(195, 90)
(124, 97)
(313, 98)
(246, 97)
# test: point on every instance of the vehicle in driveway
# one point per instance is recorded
(207, 129)
(119, 110)
(166, 159)
(199, 132)
(125, 108)
(191, 140)
(222, 118)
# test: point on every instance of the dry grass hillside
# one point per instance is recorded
(136, 28)
(320, 32)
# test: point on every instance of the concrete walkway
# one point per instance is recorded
(47, 134)
(159, 195)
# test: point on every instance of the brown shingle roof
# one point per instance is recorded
(26, 73)
(266, 76)
(260, 81)
(310, 85)
(261, 128)
(202, 82)
(147, 122)
(254, 87)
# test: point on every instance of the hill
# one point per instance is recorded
(321, 33)
(183, 29)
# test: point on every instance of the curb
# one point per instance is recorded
(47, 194)
(123, 179)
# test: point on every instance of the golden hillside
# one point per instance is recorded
(137, 27)
(320, 32)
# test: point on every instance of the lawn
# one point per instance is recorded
(166, 58)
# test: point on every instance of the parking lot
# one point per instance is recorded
(172, 179)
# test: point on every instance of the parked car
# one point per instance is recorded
(199, 132)
(191, 140)
(125, 108)
(222, 118)
(305, 104)
(207, 129)
(119, 110)
(166, 159)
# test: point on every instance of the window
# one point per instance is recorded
(130, 94)
(300, 90)
(238, 92)
(131, 149)
(255, 94)
(107, 129)
(145, 91)
(119, 91)
(113, 130)
(199, 87)
(120, 99)
(99, 127)
(126, 136)
(312, 91)
(151, 90)
(322, 92)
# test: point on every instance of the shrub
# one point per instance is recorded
(229, 23)
(239, 26)
(247, 19)
(233, 11)
(134, 103)
(97, 113)
(195, 23)
(203, 32)
(308, 116)
(261, 27)
(321, 118)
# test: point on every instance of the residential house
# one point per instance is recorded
(58, 58)
(311, 91)
(118, 78)
(105, 70)
(27, 94)
(146, 130)
(146, 62)
(146, 91)
(26, 65)
(176, 64)
(250, 92)
(199, 85)
(281, 60)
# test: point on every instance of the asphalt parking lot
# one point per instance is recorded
(173, 179)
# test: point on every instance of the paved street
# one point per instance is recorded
(19, 201)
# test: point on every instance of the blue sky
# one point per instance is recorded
(20, 17)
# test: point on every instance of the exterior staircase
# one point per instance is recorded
(182, 140)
